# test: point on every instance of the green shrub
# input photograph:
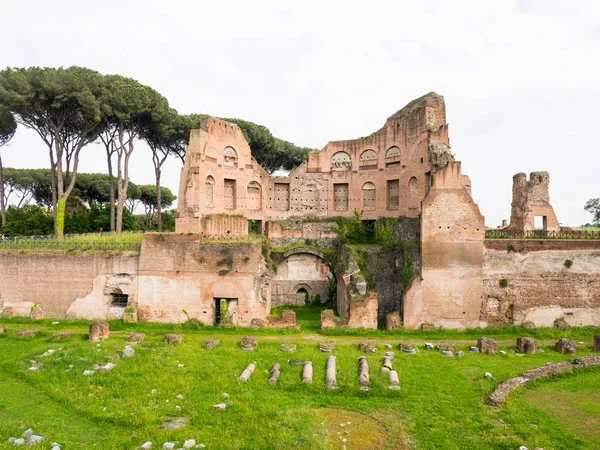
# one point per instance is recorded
(503, 283)
(568, 263)
(223, 272)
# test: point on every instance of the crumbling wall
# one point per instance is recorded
(531, 199)
(523, 282)
(452, 234)
(55, 280)
(178, 272)
(219, 176)
(304, 270)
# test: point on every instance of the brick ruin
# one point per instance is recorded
(530, 199)
(440, 270)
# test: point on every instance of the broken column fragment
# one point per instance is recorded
(387, 364)
(275, 372)
(247, 372)
(363, 370)
(331, 378)
(394, 380)
(307, 372)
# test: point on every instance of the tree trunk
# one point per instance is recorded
(123, 156)
(111, 190)
(158, 202)
(53, 189)
(2, 203)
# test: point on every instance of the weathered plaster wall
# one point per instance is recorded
(175, 275)
(452, 235)
(300, 270)
(540, 288)
(55, 280)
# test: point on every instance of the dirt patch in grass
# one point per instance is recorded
(578, 411)
(350, 429)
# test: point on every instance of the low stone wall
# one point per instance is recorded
(500, 394)
(537, 286)
(54, 280)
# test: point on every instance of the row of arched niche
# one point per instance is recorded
(342, 161)
(369, 193)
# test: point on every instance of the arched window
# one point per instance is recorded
(369, 195)
(341, 162)
(413, 188)
(392, 157)
(254, 195)
(368, 160)
(230, 156)
(209, 187)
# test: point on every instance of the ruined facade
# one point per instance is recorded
(386, 174)
(439, 271)
(530, 199)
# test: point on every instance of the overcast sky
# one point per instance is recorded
(521, 79)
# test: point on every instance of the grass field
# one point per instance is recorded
(441, 402)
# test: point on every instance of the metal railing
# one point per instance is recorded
(541, 234)
(50, 237)
(71, 242)
(69, 245)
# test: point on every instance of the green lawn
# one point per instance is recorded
(441, 403)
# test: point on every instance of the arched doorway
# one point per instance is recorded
(303, 292)
(302, 277)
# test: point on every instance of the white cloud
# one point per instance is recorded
(520, 79)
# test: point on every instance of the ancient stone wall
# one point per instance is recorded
(179, 273)
(531, 199)
(537, 286)
(302, 275)
(55, 280)
(219, 177)
(385, 174)
(389, 172)
(452, 235)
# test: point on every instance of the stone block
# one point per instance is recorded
(326, 347)
(367, 347)
(565, 346)
(63, 336)
(428, 327)
(561, 324)
(446, 348)
(597, 342)
(257, 323)
(527, 345)
(529, 325)
(26, 334)
(327, 319)
(99, 331)
(210, 344)
(173, 339)
(392, 321)
(487, 345)
(135, 337)
(249, 343)
(408, 348)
